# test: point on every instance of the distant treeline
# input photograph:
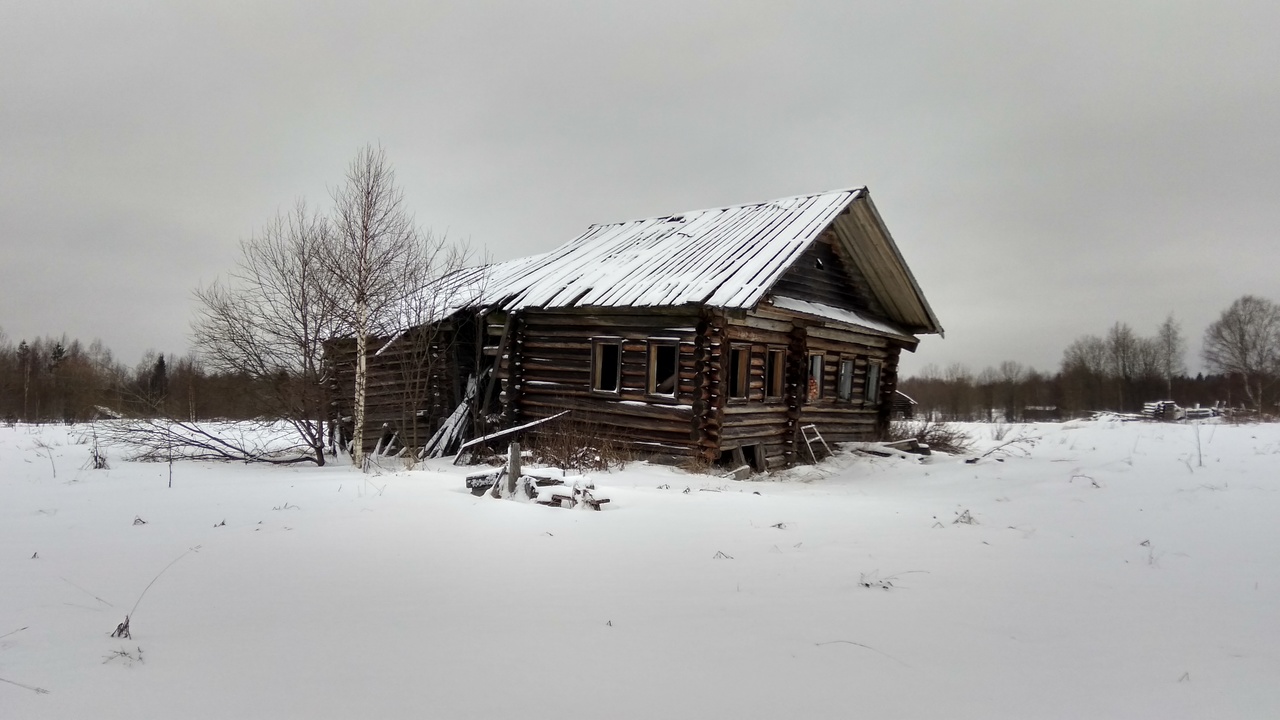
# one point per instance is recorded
(47, 379)
(59, 380)
(1016, 394)
(1117, 371)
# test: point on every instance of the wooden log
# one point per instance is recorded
(675, 413)
(772, 418)
(754, 335)
(751, 432)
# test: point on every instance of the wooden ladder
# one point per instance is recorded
(810, 433)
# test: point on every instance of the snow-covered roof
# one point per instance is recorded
(848, 317)
(727, 257)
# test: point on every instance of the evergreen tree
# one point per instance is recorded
(24, 364)
(158, 385)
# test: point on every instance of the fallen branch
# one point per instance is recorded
(86, 592)
(36, 690)
(1020, 442)
(165, 441)
(850, 642)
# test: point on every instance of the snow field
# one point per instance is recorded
(1110, 572)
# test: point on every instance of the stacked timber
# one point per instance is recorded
(513, 362)
(797, 386)
(708, 411)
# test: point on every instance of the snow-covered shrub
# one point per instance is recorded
(939, 436)
(573, 444)
(999, 431)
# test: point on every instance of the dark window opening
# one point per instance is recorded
(739, 371)
(664, 375)
(606, 366)
(774, 365)
(752, 456)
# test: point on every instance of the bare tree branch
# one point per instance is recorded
(270, 318)
(161, 440)
(1245, 340)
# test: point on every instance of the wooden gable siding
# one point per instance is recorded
(863, 235)
(825, 275)
(550, 370)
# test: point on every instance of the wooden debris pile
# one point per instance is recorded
(541, 487)
(906, 448)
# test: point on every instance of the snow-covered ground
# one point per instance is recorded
(1113, 570)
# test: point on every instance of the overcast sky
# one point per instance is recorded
(1047, 169)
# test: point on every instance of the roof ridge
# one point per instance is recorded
(854, 192)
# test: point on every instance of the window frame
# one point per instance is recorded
(810, 386)
(871, 384)
(779, 370)
(844, 378)
(743, 370)
(597, 361)
(651, 367)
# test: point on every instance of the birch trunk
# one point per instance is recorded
(362, 377)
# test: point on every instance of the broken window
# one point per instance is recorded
(815, 376)
(844, 383)
(775, 364)
(871, 394)
(606, 365)
(664, 367)
(739, 370)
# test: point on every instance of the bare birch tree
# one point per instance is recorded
(1245, 340)
(375, 261)
(270, 318)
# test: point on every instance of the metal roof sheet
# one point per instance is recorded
(723, 257)
(728, 257)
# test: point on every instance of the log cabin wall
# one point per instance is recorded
(413, 383)
(551, 369)
(766, 424)
(857, 417)
(765, 414)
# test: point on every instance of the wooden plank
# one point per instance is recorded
(843, 337)
(755, 321)
(509, 432)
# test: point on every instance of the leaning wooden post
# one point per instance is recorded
(513, 467)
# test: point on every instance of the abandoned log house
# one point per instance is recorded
(715, 333)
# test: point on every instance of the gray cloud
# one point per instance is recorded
(1047, 170)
